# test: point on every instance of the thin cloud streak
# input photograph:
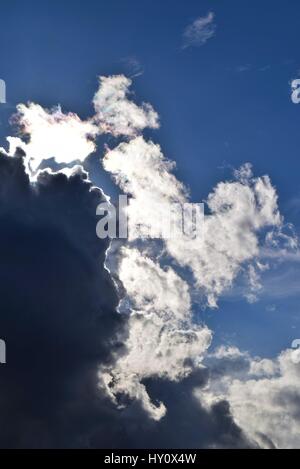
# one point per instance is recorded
(200, 31)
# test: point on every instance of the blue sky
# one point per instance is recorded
(220, 105)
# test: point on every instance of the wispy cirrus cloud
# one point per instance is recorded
(132, 66)
(200, 31)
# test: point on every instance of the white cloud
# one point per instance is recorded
(166, 295)
(116, 114)
(239, 211)
(158, 345)
(141, 170)
(51, 134)
(200, 31)
(264, 396)
(163, 342)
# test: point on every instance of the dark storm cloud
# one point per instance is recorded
(58, 318)
(187, 424)
(57, 309)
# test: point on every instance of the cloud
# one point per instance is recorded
(133, 66)
(163, 342)
(68, 139)
(243, 68)
(126, 367)
(58, 311)
(200, 31)
(239, 210)
(263, 395)
(187, 424)
(116, 113)
(63, 325)
(141, 170)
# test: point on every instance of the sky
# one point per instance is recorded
(218, 75)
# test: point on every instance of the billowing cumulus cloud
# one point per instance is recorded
(51, 134)
(116, 113)
(162, 340)
(239, 211)
(243, 221)
(141, 170)
(263, 394)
